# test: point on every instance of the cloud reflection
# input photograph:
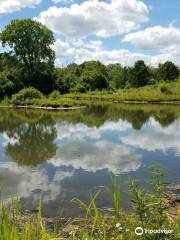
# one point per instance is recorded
(25, 182)
(154, 137)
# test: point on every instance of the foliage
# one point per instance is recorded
(117, 76)
(164, 89)
(168, 71)
(93, 80)
(30, 44)
(149, 206)
(55, 95)
(26, 94)
(10, 79)
(11, 229)
(139, 74)
(79, 88)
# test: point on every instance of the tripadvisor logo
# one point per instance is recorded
(139, 231)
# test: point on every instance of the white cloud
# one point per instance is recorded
(9, 6)
(79, 51)
(155, 38)
(96, 18)
(164, 40)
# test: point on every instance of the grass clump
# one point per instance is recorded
(12, 228)
(25, 95)
(55, 95)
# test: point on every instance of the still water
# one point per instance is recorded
(61, 155)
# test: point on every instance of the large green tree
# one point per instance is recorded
(94, 75)
(168, 71)
(139, 74)
(30, 42)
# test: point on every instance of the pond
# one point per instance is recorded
(59, 155)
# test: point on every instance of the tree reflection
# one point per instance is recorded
(165, 118)
(34, 144)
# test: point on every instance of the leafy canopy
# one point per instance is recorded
(30, 42)
(168, 71)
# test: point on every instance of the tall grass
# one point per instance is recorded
(12, 227)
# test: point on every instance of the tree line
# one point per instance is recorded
(29, 61)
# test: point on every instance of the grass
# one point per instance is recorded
(149, 213)
(161, 92)
(152, 93)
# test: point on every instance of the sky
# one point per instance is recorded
(111, 31)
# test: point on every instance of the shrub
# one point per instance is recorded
(164, 89)
(55, 95)
(79, 88)
(25, 95)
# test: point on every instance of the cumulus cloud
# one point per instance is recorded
(96, 18)
(155, 38)
(9, 6)
(164, 40)
(80, 51)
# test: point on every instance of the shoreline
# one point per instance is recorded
(44, 108)
(91, 102)
(76, 223)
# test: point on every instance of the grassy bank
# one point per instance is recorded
(150, 212)
(165, 92)
(159, 93)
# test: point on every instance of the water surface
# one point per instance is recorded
(61, 155)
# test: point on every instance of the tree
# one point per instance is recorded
(93, 80)
(94, 65)
(10, 81)
(168, 71)
(117, 75)
(30, 42)
(139, 74)
(94, 75)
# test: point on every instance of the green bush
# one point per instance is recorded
(55, 95)
(25, 95)
(164, 89)
(79, 88)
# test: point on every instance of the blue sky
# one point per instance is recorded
(106, 30)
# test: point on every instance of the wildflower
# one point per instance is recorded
(118, 225)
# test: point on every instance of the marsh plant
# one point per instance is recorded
(149, 206)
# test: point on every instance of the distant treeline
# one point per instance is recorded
(30, 62)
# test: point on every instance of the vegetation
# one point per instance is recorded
(30, 63)
(150, 213)
(29, 43)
